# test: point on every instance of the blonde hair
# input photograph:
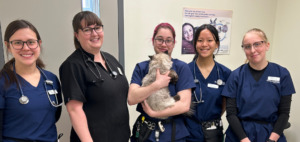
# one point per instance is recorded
(259, 32)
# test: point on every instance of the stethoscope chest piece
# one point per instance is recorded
(219, 82)
(24, 99)
(114, 74)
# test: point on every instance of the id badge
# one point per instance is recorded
(52, 92)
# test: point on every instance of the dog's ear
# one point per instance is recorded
(151, 57)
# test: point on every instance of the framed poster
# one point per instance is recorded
(194, 18)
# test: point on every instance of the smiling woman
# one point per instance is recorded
(248, 89)
(210, 78)
(87, 77)
(24, 88)
(172, 128)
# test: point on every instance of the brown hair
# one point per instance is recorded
(90, 18)
(7, 70)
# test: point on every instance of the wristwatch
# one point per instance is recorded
(269, 140)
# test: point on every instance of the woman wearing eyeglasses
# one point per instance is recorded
(147, 127)
(94, 85)
(27, 111)
(258, 95)
(210, 77)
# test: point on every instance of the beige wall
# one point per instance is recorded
(109, 17)
(277, 18)
(285, 51)
(53, 19)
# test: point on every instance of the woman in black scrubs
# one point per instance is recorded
(94, 86)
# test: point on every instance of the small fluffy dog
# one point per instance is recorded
(161, 99)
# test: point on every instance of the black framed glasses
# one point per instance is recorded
(162, 41)
(19, 44)
(89, 30)
(255, 45)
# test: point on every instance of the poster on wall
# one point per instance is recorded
(194, 18)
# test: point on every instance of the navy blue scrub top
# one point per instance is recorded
(185, 81)
(258, 100)
(211, 107)
(104, 98)
(32, 121)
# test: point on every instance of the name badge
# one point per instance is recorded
(120, 71)
(212, 85)
(52, 92)
(273, 79)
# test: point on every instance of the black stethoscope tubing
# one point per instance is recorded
(87, 59)
(196, 81)
(25, 100)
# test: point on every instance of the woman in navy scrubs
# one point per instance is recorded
(258, 95)
(210, 77)
(163, 40)
(26, 113)
(94, 85)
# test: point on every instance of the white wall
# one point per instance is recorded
(274, 17)
(142, 16)
(285, 51)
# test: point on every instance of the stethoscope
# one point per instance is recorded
(25, 100)
(88, 60)
(219, 82)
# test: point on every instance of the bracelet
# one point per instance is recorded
(269, 140)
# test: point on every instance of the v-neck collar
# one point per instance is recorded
(28, 84)
(200, 73)
(262, 76)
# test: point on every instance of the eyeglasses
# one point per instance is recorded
(19, 44)
(255, 45)
(89, 30)
(161, 41)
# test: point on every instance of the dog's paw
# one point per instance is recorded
(174, 76)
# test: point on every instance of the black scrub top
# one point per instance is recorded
(104, 96)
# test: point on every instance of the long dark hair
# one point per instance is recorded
(214, 32)
(188, 24)
(7, 70)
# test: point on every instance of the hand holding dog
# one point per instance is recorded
(162, 80)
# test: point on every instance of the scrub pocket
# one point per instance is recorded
(142, 130)
(213, 133)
